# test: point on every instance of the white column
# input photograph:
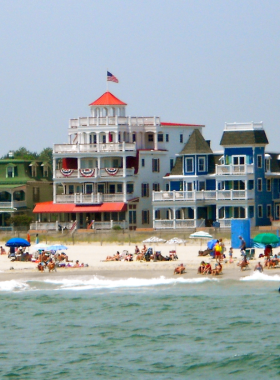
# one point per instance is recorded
(155, 141)
(246, 212)
(79, 166)
(54, 166)
(99, 166)
(217, 212)
(195, 215)
(143, 140)
(174, 217)
(124, 192)
(54, 193)
(124, 166)
(107, 137)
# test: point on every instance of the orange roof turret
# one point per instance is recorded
(107, 99)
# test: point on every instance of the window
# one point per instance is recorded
(34, 170)
(71, 189)
(111, 189)
(145, 190)
(36, 194)
(167, 137)
(132, 217)
(201, 185)
(115, 163)
(145, 217)
(181, 138)
(45, 171)
(189, 165)
(143, 162)
(277, 211)
(11, 171)
(259, 161)
(268, 211)
(156, 187)
(160, 137)
(167, 187)
(150, 137)
(129, 188)
(171, 164)
(155, 165)
(238, 160)
(260, 211)
(119, 188)
(259, 184)
(201, 164)
(267, 165)
(268, 185)
(157, 214)
(189, 186)
(133, 137)
(104, 139)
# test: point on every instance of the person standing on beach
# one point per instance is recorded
(242, 245)
(37, 239)
(259, 267)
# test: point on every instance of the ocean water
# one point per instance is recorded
(96, 328)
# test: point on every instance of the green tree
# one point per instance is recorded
(46, 155)
(20, 220)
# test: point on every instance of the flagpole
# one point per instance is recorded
(107, 80)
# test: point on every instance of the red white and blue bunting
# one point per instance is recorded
(111, 171)
(87, 172)
(66, 172)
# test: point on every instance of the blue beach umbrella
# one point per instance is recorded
(57, 247)
(17, 242)
(211, 244)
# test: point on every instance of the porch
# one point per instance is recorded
(203, 195)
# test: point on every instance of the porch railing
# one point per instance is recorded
(203, 195)
(79, 198)
(94, 148)
(234, 169)
(12, 204)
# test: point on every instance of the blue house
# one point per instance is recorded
(242, 181)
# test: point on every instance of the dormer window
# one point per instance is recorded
(33, 169)
(45, 166)
(11, 171)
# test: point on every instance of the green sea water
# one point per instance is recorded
(97, 328)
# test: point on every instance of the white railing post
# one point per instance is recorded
(36, 225)
(111, 224)
(231, 192)
(56, 225)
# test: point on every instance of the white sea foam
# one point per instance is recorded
(7, 286)
(97, 282)
(257, 276)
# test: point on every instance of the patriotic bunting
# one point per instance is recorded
(87, 172)
(111, 171)
(66, 172)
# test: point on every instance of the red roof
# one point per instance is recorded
(107, 99)
(50, 207)
(182, 125)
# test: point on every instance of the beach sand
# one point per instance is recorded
(94, 255)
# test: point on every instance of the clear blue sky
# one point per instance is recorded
(203, 62)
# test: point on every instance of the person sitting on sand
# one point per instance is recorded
(259, 267)
(76, 265)
(180, 269)
(218, 269)
(116, 257)
(41, 267)
(51, 265)
(144, 250)
(243, 264)
(137, 250)
(128, 257)
(201, 267)
(207, 269)
(2, 251)
(62, 256)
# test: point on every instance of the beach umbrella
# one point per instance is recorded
(154, 239)
(57, 247)
(201, 235)
(176, 241)
(211, 243)
(17, 242)
(40, 247)
(267, 238)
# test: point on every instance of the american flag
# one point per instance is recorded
(111, 78)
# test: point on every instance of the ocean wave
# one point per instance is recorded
(97, 282)
(8, 286)
(257, 276)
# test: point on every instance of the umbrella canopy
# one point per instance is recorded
(176, 241)
(57, 247)
(200, 235)
(267, 238)
(17, 242)
(154, 239)
(211, 243)
(40, 247)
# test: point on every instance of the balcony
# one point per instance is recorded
(113, 120)
(203, 195)
(12, 204)
(234, 169)
(94, 148)
(79, 198)
(97, 173)
(178, 223)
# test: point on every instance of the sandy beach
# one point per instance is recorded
(94, 255)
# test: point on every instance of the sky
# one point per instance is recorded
(202, 62)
